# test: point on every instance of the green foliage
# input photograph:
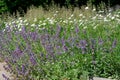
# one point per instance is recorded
(3, 7)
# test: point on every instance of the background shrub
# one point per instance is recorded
(21, 6)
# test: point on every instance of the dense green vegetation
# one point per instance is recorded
(61, 44)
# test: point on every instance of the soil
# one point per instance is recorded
(97, 78)
(6, 73)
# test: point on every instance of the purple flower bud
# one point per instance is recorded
(24, 35)
(49, 48)
(114, 43)
(100, 41)
(17, 53)
(23, 69)
(63, 42)
(83, 45)
(23, 29)
(44, 38)
(33, 35)
(77, 30)
(93, 43)
(65, 48)
(32, 59)
(5, 77)
(58, 30)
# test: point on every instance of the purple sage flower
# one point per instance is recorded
(77, 30)
(33, 35)
(23, 29)
(83, 45)
(17, 53)
(63, 42)
(93, 43)
(5, 77)
(32, 59)
(23, 69)
(58, 30)
(114, 43)
(100, 41)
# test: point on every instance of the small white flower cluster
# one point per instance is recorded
(18, 24)
(81, 20)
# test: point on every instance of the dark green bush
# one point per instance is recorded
(21, 5)
(3, 7)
